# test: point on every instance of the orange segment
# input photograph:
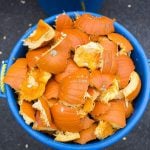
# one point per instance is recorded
(51, 90)
(100, 81)
(132, 90)
(27, 112)
(44, 109)
(34, 55)
(87, 135)
(109, 64)
(63, 21)
(33, 86)
(16, 73)
(94, 25)
(70, 68)
(76, 37)
(103, 130)
(125, 67)
(120, 40)
(88, 55)
(55, 57)
(74, 87)
(115, 115)
(41, 36)
(65, 118)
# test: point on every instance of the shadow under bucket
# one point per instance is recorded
(52, 7)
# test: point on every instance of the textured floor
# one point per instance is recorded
(17, 16)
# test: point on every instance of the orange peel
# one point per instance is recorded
(51, 89)
(34, 85)
(125, 68)
(76, 37)
(41, 36)
(66, 136)
(44, 109)
(88, 55)
(103, 130)
(27, 112)
(94, 25)
(87, 135)
(120, 40)
(132, 90)
(16, 74)
(63, 21)
(74, 87)
(40, 124)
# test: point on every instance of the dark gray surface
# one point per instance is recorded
(15, 18)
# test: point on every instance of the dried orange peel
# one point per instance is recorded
(103, 130)
(88, 55)
(16, 74)
(78, 82)
(40, 124)
(41, 36)
(42, 106)
(27, 111)
(132, 89)
(66, 136)
(120, 40)
(33, 86)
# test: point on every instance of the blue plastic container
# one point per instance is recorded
(52, 7)
(140, 104)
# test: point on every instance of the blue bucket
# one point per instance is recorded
(52, 7)
(140, 104)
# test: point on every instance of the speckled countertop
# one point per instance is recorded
(16, 16)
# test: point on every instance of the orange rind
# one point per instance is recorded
(16, 74)
(27, 112)
(94, 25)
(88, 55)
(121, 41)
(132, 90)
(51, 89)
(40, 124)
(74, 87)
(70, 68)
(76, 37)
(87, 135)
(63, 21)
(124, 70)
(42, 106)
(65, 118)
(66, 136)
(34, 85)
(41, 36)
(103, 130)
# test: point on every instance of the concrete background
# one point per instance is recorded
(16, 16)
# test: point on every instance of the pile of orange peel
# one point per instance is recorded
(77, 82)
